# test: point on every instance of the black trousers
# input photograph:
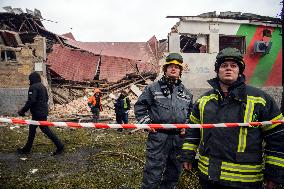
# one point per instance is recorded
(46, 130)
(163, 168)
(96, 115)
(121, 118)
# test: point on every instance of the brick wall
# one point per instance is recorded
(14, 74)
(11, 100)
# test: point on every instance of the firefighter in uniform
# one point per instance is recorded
(164, 101)
(239, 157)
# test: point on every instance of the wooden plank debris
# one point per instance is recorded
(71, 99)
(135, 90)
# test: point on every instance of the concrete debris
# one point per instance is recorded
(78, 110)
(112, 96)
(71, 100)
(135, 90)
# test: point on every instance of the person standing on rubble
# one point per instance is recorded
(239, 157)
(95, 103)
(37, 103)
(164, 101)
(122, 107)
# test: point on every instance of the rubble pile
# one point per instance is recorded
(78, 109)
(78, 106)
(71, 102)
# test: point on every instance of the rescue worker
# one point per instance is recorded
(232, 158)
(164, 101)
(122, 107)
(37, 103)
(95, 103)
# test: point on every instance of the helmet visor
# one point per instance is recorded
(174, 62)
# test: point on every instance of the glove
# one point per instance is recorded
(269, 184)
(182, 132)
(145, 120)
(20, 113)
(90, 105)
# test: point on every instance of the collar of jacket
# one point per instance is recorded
(168, 81)
(165, 88)
(237, 90)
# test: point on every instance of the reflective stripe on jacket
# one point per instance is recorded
(126, 103)
(154, 107)
(234, 156)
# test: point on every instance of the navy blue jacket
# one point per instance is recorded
(37, 101)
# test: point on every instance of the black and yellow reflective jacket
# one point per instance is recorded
(240, 156)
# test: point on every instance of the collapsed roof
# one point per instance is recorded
(109, 61)
(26, 26)
(73, 60)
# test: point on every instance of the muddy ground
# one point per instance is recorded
(92, 159)
(103, 159)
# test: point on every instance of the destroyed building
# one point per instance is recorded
(71, 68)
(200, 38)
(26, 46)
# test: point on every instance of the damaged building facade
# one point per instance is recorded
(26, 46)
(200, 38)
(23, 51)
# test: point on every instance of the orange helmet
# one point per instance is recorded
(97, 90)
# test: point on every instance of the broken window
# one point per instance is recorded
(193, 43)
(232, 41)
(7, 55)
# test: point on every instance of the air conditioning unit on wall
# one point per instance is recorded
(262, 47)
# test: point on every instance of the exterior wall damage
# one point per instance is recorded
(200, 38)
(14, 73)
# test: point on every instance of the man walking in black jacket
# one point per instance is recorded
(37, 103)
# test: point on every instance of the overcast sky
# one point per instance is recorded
(130, 20)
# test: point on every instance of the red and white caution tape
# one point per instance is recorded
(134, 126)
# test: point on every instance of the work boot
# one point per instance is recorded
(58, 151)
(23, 151)
(120, 130)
